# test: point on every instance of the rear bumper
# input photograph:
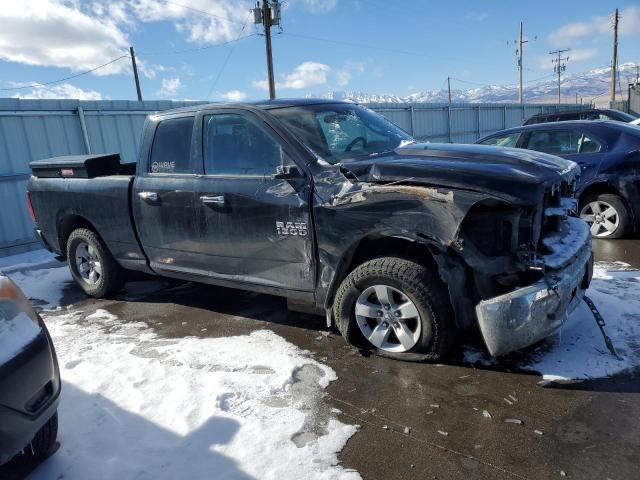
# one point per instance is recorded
(527, 315)
(42, 239)
(29, 394)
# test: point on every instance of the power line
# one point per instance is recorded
(373, 47)
(35, 85)
(226, 60)
(197, 49)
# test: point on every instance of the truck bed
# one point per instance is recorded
(104, 202)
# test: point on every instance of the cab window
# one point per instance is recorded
(171, 150)
(236, 146)
(502, 140)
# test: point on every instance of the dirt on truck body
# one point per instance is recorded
(400, 244)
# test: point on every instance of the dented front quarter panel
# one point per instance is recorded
(346, 211)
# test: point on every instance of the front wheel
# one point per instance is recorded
(606, 215)
(396, 308)
(92, 265)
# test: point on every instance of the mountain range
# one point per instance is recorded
(589, 86)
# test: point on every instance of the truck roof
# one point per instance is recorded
(263, 104)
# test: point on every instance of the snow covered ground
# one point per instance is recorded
(136, 405)
(578, 350)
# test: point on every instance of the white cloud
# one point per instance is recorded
(170, 87)
(578, 55)
(57, 33)
(575, 55)
(629, 25)
(477, 16)
(343, 77)
(307, 74)
(350, 69)
(222, 20)
(234, 96)
(319, 5)
(61, 91)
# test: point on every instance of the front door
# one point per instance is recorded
(253, 223)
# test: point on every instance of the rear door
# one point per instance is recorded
(163, 203)
(576, 144)
(252, 226)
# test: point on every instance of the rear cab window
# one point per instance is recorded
(171, 149)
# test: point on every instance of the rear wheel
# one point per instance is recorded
(92, 265)
(396, 308)
(606, 215)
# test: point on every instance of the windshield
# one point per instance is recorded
(341, 131)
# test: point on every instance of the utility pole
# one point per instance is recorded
(559, 66)
(268, 15)
(614, 61)
(521, 43)
(449, 88)
(135, 73)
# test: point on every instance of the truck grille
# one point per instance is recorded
(559, 202)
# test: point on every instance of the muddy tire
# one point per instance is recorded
(606, 214)
(396, 308)
(92, 265)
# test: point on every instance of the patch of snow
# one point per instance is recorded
(25, 260)
(136, 405)
(15, 333)
(563, 245)
(43, 287)
(578, 350)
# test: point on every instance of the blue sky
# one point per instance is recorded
(375, 46)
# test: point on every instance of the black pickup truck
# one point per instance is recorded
(400, 244)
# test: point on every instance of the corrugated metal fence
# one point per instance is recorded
(34, 129)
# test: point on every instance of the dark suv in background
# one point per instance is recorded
(582, 114)
(608, 153)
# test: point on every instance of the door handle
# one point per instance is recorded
(149, 196)
(216, 200)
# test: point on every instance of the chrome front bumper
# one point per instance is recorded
(527, 315)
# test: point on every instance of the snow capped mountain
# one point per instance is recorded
(591, 86)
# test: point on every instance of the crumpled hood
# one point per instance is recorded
(516, 175)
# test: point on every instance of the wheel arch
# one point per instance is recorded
(66, 224)
(420, 250)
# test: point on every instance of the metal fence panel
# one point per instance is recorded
(35, 129)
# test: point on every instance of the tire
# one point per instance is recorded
(99, 275)
(432, 331)
(606, 214)
(44, 443)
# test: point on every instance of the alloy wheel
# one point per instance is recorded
(603, 218)
(88, 263)
(388, 319)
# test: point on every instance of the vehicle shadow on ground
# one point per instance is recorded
(100, 440)
(229, 302)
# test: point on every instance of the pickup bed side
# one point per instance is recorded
(101, 204)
